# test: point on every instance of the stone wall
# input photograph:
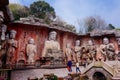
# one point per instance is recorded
(40, 34)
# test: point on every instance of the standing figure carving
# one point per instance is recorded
(31, 51)
(2, 43)
(107, 49)
(11, 47)
(68, 52)
(77, 51)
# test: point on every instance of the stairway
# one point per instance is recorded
(113, 67)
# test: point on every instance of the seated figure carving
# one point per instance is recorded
(52, 48)
(107, 49)
(91, 50)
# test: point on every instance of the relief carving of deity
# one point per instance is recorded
(31, 51)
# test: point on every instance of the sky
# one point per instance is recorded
(73, 10)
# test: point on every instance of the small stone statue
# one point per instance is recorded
(107, 49)
(31, 51)
(77, 51)
(91, 50)
(68, 52)
(3, 30)
(11, 47)
(21, 57)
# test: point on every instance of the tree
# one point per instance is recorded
(60, 22)
(19, 11)
(43, 10)
(93, 23)
(110, 26)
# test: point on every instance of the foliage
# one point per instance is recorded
(60, 22)
(111, 26)
(19, 11)
(94, 23)
(43, 10)
(117, 28)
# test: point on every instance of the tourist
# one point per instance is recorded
(77, 67)
(69, 66)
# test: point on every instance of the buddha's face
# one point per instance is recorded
(77, 43)
(105, 41)
(52, 35)
(90, 42)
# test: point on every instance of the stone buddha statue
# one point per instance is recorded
(107, 49)
(51, 45)
(91, 50)
(31, 51)
(52, 48)
(11, 47)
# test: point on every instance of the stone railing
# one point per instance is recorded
(108, 68)
(112, 70)
(88, 67)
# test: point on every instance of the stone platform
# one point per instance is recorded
(32, 73)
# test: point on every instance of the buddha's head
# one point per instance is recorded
(52, 35)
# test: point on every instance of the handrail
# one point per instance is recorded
(112, 70)
(88, 67)
(108, 68)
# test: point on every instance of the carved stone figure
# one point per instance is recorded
(118, 41)
(52, 47)
(21, 57)
(107, 49)
(3, 30)
(11, 47)
(31, 51)
(68, 52)
(51, 44)
(1, 17)
(3, 42)
(91, 50)
(84, 56)
(77, 50)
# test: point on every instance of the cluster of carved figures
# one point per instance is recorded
(52, 51)
(90, 52)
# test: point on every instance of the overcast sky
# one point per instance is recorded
(72, 10)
